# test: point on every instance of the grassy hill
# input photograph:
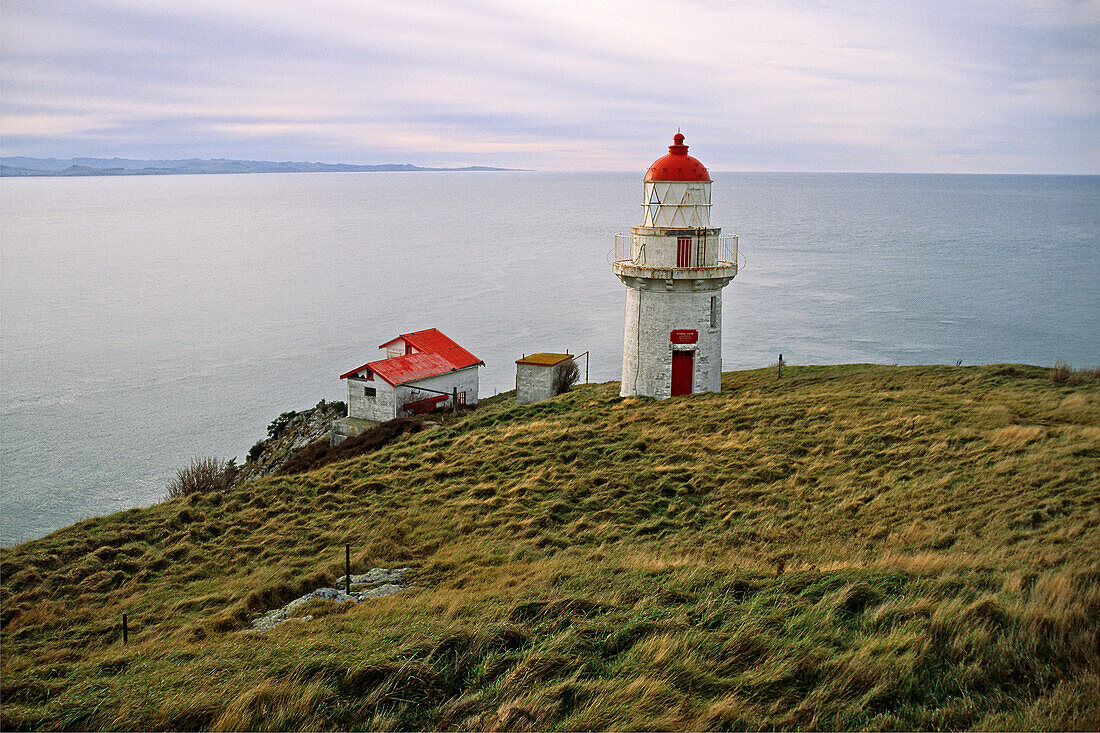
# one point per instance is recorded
(849, 547)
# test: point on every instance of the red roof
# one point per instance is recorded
(434, 341)
(677, 165)
(411, 367)
(437, 355)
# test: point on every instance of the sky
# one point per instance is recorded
(953, 86)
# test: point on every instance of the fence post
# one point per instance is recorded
(454, 401)
(347, 569)
(780, 367)
(125, 631)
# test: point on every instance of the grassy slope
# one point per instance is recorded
(853, 546)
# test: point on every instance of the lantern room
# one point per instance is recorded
(676, 191)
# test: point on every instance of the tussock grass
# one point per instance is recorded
(202, 474)
(850, 547)
(1063, 373)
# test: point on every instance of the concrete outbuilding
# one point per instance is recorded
(674, 267)
(536, 376)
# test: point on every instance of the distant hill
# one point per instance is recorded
(13, 166)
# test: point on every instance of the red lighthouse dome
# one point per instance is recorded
(677, 165)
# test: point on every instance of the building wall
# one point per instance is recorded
(466, 380)
(399, 348)
(380, 407)
(386, 403)
(534, 382)
(652, 313)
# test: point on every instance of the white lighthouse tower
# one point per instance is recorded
(674, 267)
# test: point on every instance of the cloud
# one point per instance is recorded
(559, 84)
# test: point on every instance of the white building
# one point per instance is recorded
(536, 374)
(674, 267)
(421, 371)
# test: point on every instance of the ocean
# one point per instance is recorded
(145, 320)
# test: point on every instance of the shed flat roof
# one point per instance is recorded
(544, 358)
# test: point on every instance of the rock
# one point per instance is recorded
(375, 583)
(305, 428)
(383, 590)
(375, 576)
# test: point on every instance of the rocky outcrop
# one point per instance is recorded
(289, 433)
(375, 583)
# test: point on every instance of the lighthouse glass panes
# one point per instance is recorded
(684, 205)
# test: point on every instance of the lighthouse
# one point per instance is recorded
(674, 267)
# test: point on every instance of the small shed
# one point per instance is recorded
(535, 376)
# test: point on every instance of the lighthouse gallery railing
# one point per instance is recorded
(721, 250)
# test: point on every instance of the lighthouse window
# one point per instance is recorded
(714, 311)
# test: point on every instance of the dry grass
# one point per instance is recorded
(1063, 373)
(203, 474)
(1015, 436)
(851, 547)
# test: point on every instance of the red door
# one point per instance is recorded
(683, 367)
(683, 251)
